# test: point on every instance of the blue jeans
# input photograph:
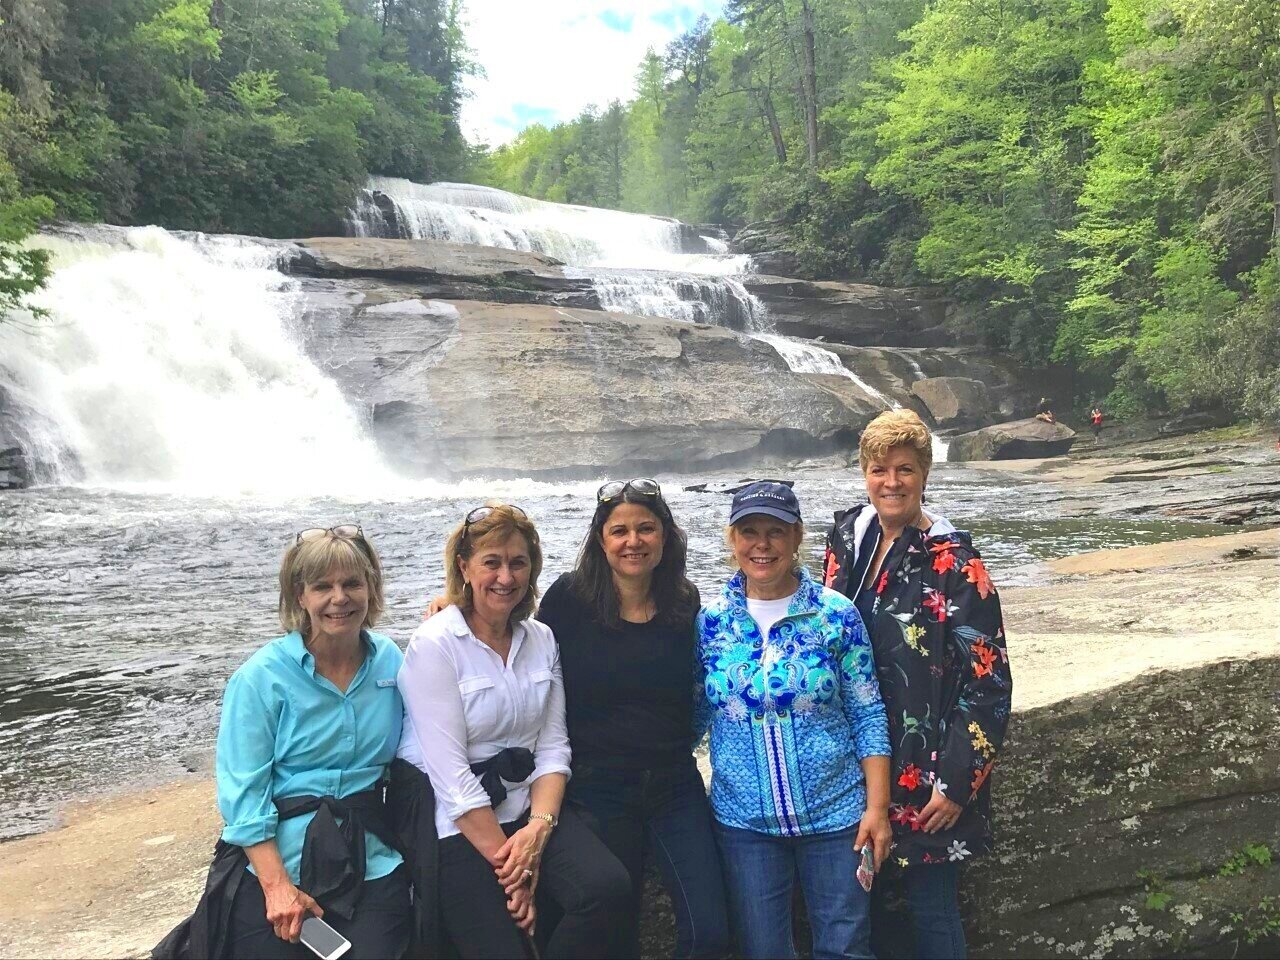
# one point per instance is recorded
(934, 930)
(660, 815)
(760, 871)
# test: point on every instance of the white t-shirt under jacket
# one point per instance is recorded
(463, 705)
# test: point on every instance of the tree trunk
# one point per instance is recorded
(1273, 147)
(765, 99)
(809, 81)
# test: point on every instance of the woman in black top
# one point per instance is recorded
(624, 620)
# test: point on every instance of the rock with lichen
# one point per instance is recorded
(1139, 821)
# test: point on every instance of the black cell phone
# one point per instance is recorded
(322, 940)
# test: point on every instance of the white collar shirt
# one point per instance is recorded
(463, 705)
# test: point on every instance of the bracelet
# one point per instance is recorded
(551, 819)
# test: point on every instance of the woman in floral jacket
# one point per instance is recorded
(938, 636)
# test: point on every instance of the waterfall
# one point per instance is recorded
(171, 360)
(582, 236)
(804, 357)
(639, 264)
(692, 298)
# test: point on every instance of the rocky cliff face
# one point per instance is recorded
(857, 314)
(437, 268)
(481, 360)
(469, 359)
(458, 387)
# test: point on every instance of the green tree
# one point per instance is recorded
(23, 269)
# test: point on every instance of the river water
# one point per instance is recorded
(123, 612)
(186, 436)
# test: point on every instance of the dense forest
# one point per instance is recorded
(1095, 182)
(259, 117)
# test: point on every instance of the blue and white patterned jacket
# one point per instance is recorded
(787, 744)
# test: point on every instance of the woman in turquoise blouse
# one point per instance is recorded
(309, 724)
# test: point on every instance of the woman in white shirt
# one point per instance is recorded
(484, 719)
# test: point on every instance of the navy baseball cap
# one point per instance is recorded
(767, 497)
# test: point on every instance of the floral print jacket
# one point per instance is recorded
(944, 675)
(792, 715)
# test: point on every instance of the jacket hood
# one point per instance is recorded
(864, 515)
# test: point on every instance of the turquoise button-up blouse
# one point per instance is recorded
(287, 731)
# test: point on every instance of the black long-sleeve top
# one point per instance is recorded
(628, 690)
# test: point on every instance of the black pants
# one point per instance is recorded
(660, 815)
(578, 874)
(380, 926)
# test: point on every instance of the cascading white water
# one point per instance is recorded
(170, 360)
(802, 357)
(637, 263)
(582, 236)
(692, 298)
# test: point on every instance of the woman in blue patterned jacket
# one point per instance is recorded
(799, 738)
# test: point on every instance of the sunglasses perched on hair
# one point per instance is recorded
(615, 489)
(343, 531)
(480, 513)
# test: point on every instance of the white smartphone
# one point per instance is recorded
(322, 940)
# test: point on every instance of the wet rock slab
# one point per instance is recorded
(466, 387)
(955, 402)
(436, 268)
(1233, 482)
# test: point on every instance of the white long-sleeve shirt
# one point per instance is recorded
(463, 705)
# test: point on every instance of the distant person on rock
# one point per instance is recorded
(485, 720)
(1044, 411)
(799, 739)
(1095, 421)
(624, 622)
(309, 726)
(938, 636)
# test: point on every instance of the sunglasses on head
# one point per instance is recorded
(616, 489)
(343, 531)
(480, 513)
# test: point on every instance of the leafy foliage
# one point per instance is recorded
(252, 116)
(1097, 182)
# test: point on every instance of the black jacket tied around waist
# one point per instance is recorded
(332, 870)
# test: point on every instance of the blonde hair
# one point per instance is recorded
(893, 429)
(498, 527)
(311, 560)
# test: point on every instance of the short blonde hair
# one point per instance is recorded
(893, 429)
(311, 560)
(498, 527)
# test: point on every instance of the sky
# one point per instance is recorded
(547, 59)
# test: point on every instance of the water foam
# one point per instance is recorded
(577, 235)
(803, 357)
(169, 362)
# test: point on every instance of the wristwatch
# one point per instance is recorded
(551, 818)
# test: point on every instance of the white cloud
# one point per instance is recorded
(547, 59)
